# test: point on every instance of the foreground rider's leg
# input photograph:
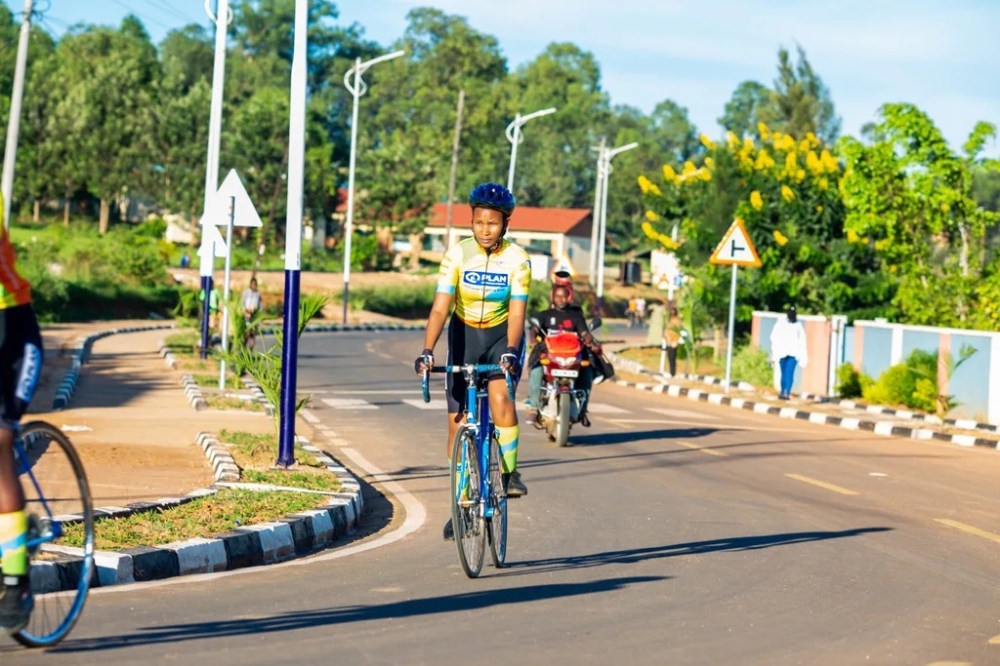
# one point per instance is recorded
(15, 600)
(535, 390)
(585, 383)
(505, 419)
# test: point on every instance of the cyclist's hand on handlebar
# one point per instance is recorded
(510, 361)
(424, 362)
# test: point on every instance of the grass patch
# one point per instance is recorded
(211, 380)
(184, 344)
(221, 402)
(308, 480)
(260, 450)
(202, 517)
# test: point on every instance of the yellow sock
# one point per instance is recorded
(507, 437)
(14, 543)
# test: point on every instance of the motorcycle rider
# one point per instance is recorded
(560, 316)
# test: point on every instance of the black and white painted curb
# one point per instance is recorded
(258, 395)
(960, 424)
(193, 393)
(80, 353)
(878, 427)
(168, 356)
(293, 536)
(223, 465)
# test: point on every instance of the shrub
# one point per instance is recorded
(848, 381)
(752, 364)
(912, 383)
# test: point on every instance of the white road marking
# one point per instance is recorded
(680, 413)
(349, 403)
(598, 408)
(433, 404)
(309, 416)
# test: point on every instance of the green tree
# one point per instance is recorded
(911, 197)
(800, 102)
(741, 113)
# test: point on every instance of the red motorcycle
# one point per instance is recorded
(560, 400)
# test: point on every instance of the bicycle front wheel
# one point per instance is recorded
(466, 508)
(498, 500)
(60, 509)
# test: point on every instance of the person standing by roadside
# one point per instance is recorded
(631, 311)
(251, 306)
(788, 349)
(672, 333)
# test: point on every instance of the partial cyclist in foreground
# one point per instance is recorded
(20, 368)
(487, 277)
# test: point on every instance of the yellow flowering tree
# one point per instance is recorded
(786, 191)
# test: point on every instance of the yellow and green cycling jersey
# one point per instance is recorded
(484, 284)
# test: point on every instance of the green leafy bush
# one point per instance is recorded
(912, 383)
(848, 381)
(751, 364)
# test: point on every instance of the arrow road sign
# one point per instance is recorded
(218, 208)
(736, 248)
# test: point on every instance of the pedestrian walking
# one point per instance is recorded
(788, 349)
(672, 336)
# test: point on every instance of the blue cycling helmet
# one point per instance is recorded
(493, 195)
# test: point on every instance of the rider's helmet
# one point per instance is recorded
(495, 196)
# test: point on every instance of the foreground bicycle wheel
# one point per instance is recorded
(466, 517)
(55, 487)
(498, 499)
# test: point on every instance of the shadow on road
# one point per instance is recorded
(629, 436)
(455, 603)
(636, 555)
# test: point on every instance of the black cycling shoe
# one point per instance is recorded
(16, 604)
(513, 484)
(449, 531)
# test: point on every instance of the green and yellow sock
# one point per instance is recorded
(14, 543)
(507, 437)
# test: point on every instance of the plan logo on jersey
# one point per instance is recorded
(484, 279)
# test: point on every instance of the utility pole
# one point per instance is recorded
(454, 167)
(14, 122)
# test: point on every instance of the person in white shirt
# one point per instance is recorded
(788, 349)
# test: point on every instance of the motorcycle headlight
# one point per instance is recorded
(565, 362)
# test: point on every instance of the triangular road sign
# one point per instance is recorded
(564, 265)
(736, 248)
(218, 207)
(211, 238)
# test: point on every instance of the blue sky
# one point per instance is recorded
(934, 53)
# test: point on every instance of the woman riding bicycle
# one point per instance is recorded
(20, 369)
(488, 278)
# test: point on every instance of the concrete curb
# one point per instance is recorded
(81, 351)
(223, 465)
(290, 537)
(193, 393)
(877, 427)
(259, 396)
(168, 356)
(963, 424)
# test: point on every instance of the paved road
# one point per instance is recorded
(671, 533)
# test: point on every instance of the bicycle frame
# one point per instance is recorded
(477, 412)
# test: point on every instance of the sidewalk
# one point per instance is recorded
(140, 445)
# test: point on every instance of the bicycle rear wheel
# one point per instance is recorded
(466, 513)
(58, 502)
(498, 499)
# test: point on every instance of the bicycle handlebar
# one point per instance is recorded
(477, 369)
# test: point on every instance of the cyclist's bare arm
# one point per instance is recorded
(515, 322)
(436, 319)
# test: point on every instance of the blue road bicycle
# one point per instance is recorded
(478, 498)
(44, 456)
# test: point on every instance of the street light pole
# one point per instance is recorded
(206, 255)
(293, 237)
(357, 88)
(608, 156)
(595, 219)
(14, 121)
(515, 136)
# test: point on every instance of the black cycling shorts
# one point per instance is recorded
(482, 346)
(20, 362)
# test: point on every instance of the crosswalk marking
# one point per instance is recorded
(349, 403)
(679, 413)
(433, 404)
(597, 408)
